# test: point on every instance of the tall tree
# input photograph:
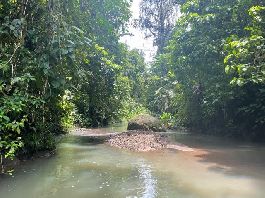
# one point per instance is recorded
(59, 63)
(157, 18)
(203, 95)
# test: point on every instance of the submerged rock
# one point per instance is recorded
(146, 123)
(141, 141)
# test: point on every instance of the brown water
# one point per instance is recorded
(217, 168)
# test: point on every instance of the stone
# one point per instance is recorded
(146, 123)
(140, 141)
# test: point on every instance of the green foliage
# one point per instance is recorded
(189, 79)
(246, 56)
(69, 111)
(11, 120)
(157, 19)
(61, 64)
(132, 109)
(167, 119)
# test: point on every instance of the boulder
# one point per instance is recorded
(146, 123)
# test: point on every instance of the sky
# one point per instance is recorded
(137, 40)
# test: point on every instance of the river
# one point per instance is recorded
(218, 168)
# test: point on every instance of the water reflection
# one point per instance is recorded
(84, 168)
(149, 182)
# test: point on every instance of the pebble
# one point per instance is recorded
(138, 141)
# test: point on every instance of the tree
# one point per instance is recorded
(60, 61)
(157, 18)
(246, 56)
(203, 98)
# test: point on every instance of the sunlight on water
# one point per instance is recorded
(149, 182)
(83, 169)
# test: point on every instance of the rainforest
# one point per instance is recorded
(64, 65)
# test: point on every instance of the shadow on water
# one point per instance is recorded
(229, 157)
(241, 161)
(84, 140)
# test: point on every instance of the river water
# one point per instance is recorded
(82, 168)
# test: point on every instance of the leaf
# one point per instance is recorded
(11, 27)
(227, 69)
(15, 80)
(78, 29)
(240, 82)
(6, 118)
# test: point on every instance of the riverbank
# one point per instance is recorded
(133, 140)
(138, 141)
(92, 132)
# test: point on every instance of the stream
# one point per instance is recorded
(83, 168)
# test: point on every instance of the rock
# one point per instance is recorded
(146, 123)
(144, 141)
(141, 141)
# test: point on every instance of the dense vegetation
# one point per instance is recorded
(61, 64)
(210, 76)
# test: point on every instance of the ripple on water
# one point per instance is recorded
(82, 169)
(147, 179)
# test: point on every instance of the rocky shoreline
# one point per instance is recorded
(133, 140)
(143, 141)
(140, 141)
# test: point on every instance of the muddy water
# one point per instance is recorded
(217, 168)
